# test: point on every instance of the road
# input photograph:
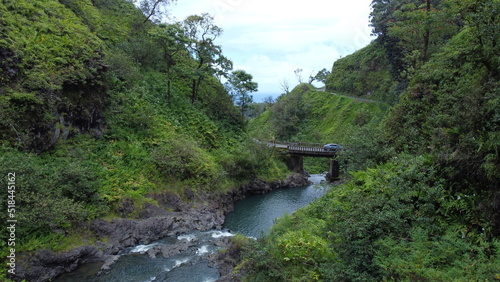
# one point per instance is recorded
(354, 97)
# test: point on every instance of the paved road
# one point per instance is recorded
(354, 97)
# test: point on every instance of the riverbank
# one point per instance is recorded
(154, 222)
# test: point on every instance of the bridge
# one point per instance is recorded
(298, 150)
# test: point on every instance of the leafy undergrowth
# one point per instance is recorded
(88, 129)
(392, 222)
(307, 115)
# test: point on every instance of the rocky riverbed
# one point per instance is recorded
(154, 222)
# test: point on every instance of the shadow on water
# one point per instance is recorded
(254, 215)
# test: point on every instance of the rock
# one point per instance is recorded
(227, 261)
(152, 253)
(204, 212)
(170, 250)
(109, 261)
(46, 265)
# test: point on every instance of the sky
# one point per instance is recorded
(271, 38)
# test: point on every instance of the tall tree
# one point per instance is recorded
(172, 39)
(285, 86)
(240, 85)
(381, 17)
(422, 28)
(152, 8)
(202, 32)
(298, 75)
(322, 75)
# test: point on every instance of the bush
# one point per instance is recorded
(51, 193)
(250, 159)
(395, 221)
(425, 256)
(181, 159)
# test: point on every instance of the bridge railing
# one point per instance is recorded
(305, 148)
(296, 144)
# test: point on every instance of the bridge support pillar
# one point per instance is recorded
(334, 172)
(297, 164)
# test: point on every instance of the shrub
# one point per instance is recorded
(51, 193)
(395, 221)
(179, 158)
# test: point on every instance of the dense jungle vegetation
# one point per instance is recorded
(421, 197)
(102, 106)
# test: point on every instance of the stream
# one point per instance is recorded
(252, 217)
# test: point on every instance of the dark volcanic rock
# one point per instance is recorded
(46, 265)
(127, 232)
(227, 261)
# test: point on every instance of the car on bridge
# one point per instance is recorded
(332, 147)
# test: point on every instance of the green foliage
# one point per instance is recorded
(239, 86)
(327, 118)
(248, 160)
(412, 30)
(421, 30)
(431, 211)
(53, 193)
(364, 148)
(183, 160)
(74, 67)
(322, 75)
(46, 38)
(293, 251)
(285, 116)
(52, 58)
(366, 73)
(447, 110)
(111, 20)
(202, 32)
(404, 230)
(427, 257)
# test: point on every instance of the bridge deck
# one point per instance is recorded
(303, 149)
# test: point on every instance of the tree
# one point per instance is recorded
(240, 85)
(285, 86)
(152, 8)
(311, 78)
(320, 76)
(269, 100)
(173, 40)
(381, 17)
(419, 27)
(298, 74)
(202, 32)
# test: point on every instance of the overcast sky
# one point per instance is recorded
(271, 38)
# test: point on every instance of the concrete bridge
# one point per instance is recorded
(298, 150)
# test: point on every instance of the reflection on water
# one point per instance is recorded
(255, 214)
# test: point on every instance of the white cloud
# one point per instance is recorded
(272, 38)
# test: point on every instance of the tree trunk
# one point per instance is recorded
(193, 92)
(169, 94)
(426, 34)
(152, 12)
(243, 113)
(196, 88)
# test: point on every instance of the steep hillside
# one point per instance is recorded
(309, 115)
(94, 126)
(428, 205)
(365, 73)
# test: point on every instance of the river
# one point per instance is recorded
(252, 217)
